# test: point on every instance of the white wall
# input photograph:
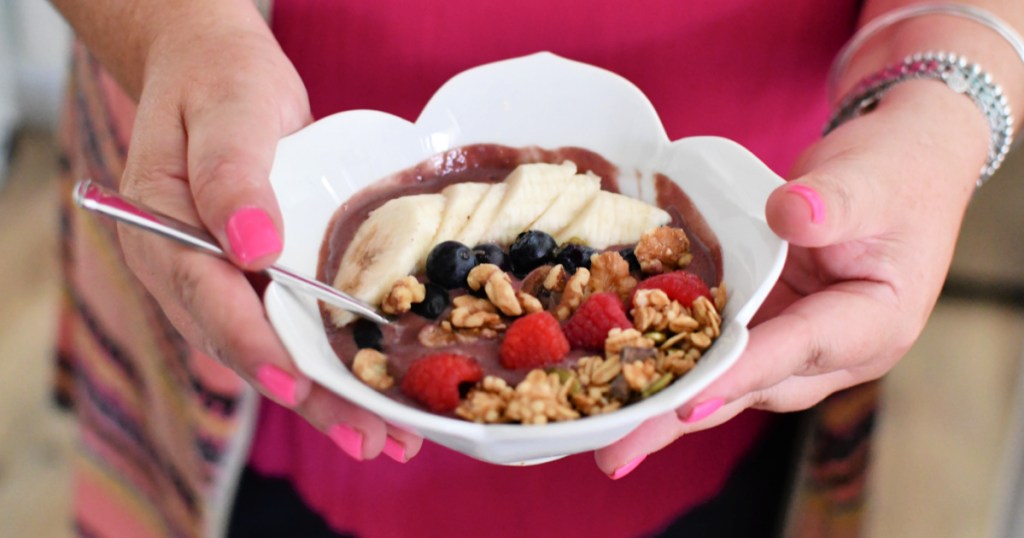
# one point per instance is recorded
(7, 103)
(36, 40)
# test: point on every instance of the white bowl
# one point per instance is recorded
(538, 100)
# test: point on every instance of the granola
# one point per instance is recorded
(663, 249)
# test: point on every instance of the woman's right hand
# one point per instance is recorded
(216, 96)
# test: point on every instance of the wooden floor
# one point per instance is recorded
(35, 440)
(940, 452)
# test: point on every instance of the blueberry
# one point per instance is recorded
(434, 303)
(530, 250)
(630, 256)
(491, 253)
(572, 256)
(367, 334)
(449, 263)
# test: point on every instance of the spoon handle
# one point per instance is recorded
(94, 197)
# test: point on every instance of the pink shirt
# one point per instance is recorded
(749, 70)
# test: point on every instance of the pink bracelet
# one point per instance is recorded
(960, 76)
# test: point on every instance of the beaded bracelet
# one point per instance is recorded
(960, 76)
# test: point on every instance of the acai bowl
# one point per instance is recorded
(540, 105)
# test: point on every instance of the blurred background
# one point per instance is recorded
(948, 458)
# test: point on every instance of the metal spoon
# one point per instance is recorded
(97, 198)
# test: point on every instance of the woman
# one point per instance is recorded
(872, 213)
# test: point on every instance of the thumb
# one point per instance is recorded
(899, 162)
(836, 199)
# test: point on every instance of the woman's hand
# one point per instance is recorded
(216, 96)
(872, 220)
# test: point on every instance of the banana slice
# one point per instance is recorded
(482, 216)
(531, 189)
(461, 201)
(577, 191)
(387, 246)
(612, 219)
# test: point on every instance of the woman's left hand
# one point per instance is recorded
(872, 221)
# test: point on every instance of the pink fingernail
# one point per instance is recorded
(703, 410)
(813, 200)
(252, 234)
(395, 450)
(349, 440)
(282, 386)
(627, 468)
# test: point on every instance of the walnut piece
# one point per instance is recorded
(371, 366)
(573, 294)
(444, 334)
(609, 271)
(529, 303)
(663, 249)
(497, 284)
(470, 312)
(405, 292)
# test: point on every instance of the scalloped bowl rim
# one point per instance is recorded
(321, 164)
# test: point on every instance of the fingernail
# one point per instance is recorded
(349, 440)
(813, 200)
(281, 385)
(703, 410)
(395, 450)
(627, 468)
(252, 234)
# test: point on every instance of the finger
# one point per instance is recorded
(231, 146)
(852, 326)
(841, 197)
(879, 168)
(208, 300)
(620, 458)
(219, 301)
(402, 445)
(357, 432)
(800, 393)
(654, 434)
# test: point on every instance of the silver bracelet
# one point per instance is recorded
(960, 75)
(876, 25)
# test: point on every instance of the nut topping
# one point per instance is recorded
(609, 271)
(470, 312)
(663, 249)
(405, 292)
(371, 366)
(573, 294)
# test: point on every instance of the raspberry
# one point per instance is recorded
(434, 380)
(533, 341)
(588, 327)
(681, 286)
